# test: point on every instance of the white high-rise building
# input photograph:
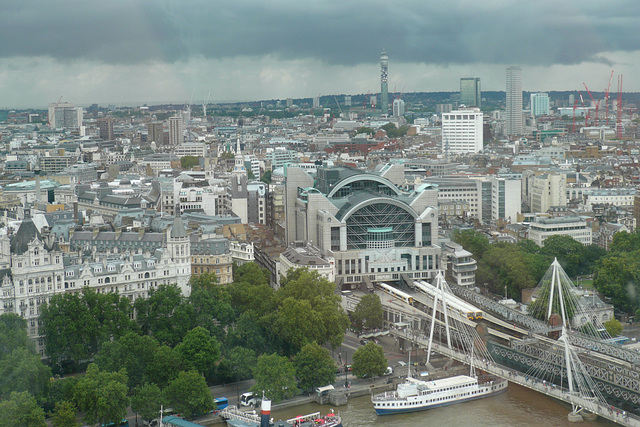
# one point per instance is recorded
(65, 115)
(506, 198)
(462, 131)
(316, 102)
(347, 101)
(514, 101)
(539, 104)
(548, 190)
(398, 107)
(176, 131)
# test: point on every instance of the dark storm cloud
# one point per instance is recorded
(336, 32)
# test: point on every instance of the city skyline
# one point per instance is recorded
(144, 51)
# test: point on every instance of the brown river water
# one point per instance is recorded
(518, 406)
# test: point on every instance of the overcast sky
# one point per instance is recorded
(133, 51)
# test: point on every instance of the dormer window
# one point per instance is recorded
(35, 252)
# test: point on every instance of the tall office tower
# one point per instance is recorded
(398, 107)
(155, 133)
(347, 101)
(105, 126)
(572, 99)
(289, 102)
(316, 102)
(514, 100)
(462, 131)
(384, 77)
(470, 93)
(176, 131)
(539, 104)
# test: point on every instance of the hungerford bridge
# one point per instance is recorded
(562, 357)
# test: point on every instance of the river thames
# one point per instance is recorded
(518, 406)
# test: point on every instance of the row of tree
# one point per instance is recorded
(512, 267)
(150, 352)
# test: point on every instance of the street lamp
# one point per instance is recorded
(237, 388)
(346, 368)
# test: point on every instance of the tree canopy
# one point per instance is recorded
(275, 375)
(368, 312)
(75, 325)
(65, 415)
(132, 352)
(187, 162)
(13, 334)
(304, 285)
(369, 360)
(165, 314)
(23, 370)
(314, 366)
(21, 409)
(189, 395)
(146, 401)
(199, 349)
(102, 396)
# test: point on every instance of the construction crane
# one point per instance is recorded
(338, 104)
(53, 114)
(619, 111)
(586, 116)
(597, 104)
(606, 99)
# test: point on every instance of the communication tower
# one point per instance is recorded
(384, 82)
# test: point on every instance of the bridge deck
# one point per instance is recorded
(608, 412)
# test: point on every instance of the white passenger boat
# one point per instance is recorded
(418, 395)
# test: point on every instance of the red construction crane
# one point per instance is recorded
(593, 100)
(606, 99)
(619, 110)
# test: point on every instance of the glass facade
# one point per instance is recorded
(382, 216)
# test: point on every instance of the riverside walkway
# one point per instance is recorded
(609, 412)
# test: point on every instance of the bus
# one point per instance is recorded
(221, 402)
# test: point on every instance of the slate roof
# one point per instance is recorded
(177, 229)
(26, 233)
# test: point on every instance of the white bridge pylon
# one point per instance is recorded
(458, 332)
(556, 294)
(579, 381)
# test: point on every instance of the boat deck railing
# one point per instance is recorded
(233, 412)
(308, 417)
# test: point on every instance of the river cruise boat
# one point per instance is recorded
(418, 395)
(238, 418)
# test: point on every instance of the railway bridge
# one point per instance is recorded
(519, 347)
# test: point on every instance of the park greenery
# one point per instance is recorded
(368, 313)
(369, 361)
(168, 348)
(508, 268)
(187, 162)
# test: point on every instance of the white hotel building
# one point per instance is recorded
(462, 131)
(577, 228)
(38, 269)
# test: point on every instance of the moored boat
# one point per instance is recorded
(237, 418)
(418, 395)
